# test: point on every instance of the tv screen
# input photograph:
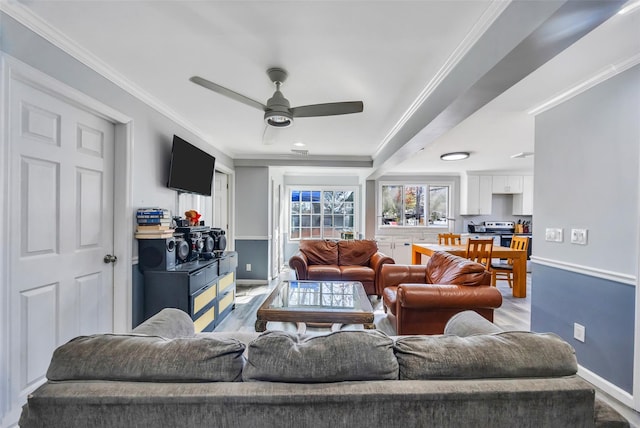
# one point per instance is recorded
(191, 169)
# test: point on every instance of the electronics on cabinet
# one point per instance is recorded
(156, 254)
(220, 240)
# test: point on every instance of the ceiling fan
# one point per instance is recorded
(278, 112)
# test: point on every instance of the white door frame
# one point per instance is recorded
(12, 68)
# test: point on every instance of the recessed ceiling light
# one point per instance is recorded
(299, 144)
(454, 156)
(521, 155)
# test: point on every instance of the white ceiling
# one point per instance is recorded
(384, 53)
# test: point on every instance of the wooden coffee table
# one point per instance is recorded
(317, 303)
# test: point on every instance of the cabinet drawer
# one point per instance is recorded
(225, 282)
(205, 319)
(204, 298)
(226, 301)
(197, 280)
(211, 272)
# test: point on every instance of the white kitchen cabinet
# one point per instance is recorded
(475, 195)
(396, 247)
(507, 183)
(523, 202)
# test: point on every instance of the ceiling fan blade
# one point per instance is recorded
(328, 109)
(227, 92)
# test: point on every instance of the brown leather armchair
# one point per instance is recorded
(420, 299)
(345, 260)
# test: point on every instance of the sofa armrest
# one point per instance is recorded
(377, 261)
(299, 263)
(439, 296)
(169, 323)
(468, 323)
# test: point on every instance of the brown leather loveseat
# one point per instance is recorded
(345, 260)
(420, 299)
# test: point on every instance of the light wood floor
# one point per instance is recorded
(514, 314)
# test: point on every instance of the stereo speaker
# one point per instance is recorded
(156, 254)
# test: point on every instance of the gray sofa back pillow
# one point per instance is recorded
(340, 356)
(500, 355)
(147, 359)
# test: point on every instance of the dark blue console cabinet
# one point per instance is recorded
(205, 289)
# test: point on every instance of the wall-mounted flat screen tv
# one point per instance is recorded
(191, 169)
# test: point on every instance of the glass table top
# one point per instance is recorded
(320, 295)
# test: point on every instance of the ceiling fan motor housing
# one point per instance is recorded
(278, 112)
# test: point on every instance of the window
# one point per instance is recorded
(415, 205)
(321, 213)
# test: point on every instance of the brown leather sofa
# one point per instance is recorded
(420, 299)
(345, 260)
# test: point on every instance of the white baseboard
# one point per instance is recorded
(252, 282)
(614, 391)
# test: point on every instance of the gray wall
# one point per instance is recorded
(586, 176)
(252, 188)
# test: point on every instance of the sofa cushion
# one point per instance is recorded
(501, 355)
(445, 268)
(147, 359)
(356, 252)
(357, 273)
(324, 273)
(320, 252)
(278, 356)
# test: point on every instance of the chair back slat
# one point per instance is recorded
(449, 239)
(480, 250)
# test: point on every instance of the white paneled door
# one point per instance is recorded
(61, 229)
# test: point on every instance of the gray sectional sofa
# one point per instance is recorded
(164, 375)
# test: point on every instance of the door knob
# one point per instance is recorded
(110, 259)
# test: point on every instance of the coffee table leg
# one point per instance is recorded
(336, 327)
(302, 327)
(261, 325)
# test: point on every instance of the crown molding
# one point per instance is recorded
(60, 40)
(488, 17)
(586, 84)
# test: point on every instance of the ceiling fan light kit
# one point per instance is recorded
(278, 112)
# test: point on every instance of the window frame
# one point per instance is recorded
(424, 183)
(322, 189)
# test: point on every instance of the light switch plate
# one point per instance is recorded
(579, 236)
(553, 235)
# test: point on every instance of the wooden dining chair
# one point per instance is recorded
(504, 269)
(449, 239)
(479, 250)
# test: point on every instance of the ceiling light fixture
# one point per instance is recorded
(521, 155)
(278, 119)
(454, 156)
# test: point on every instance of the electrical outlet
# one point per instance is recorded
(578, 332)
(553, 234)
(248, 267)
(579, 236)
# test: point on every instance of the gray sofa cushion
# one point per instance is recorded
(340, 356)
(147, 359)
(500, 355)
(169, 322)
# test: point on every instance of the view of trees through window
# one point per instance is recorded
(321, 213)
(415, 205)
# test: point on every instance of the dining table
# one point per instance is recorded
(519, 258)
